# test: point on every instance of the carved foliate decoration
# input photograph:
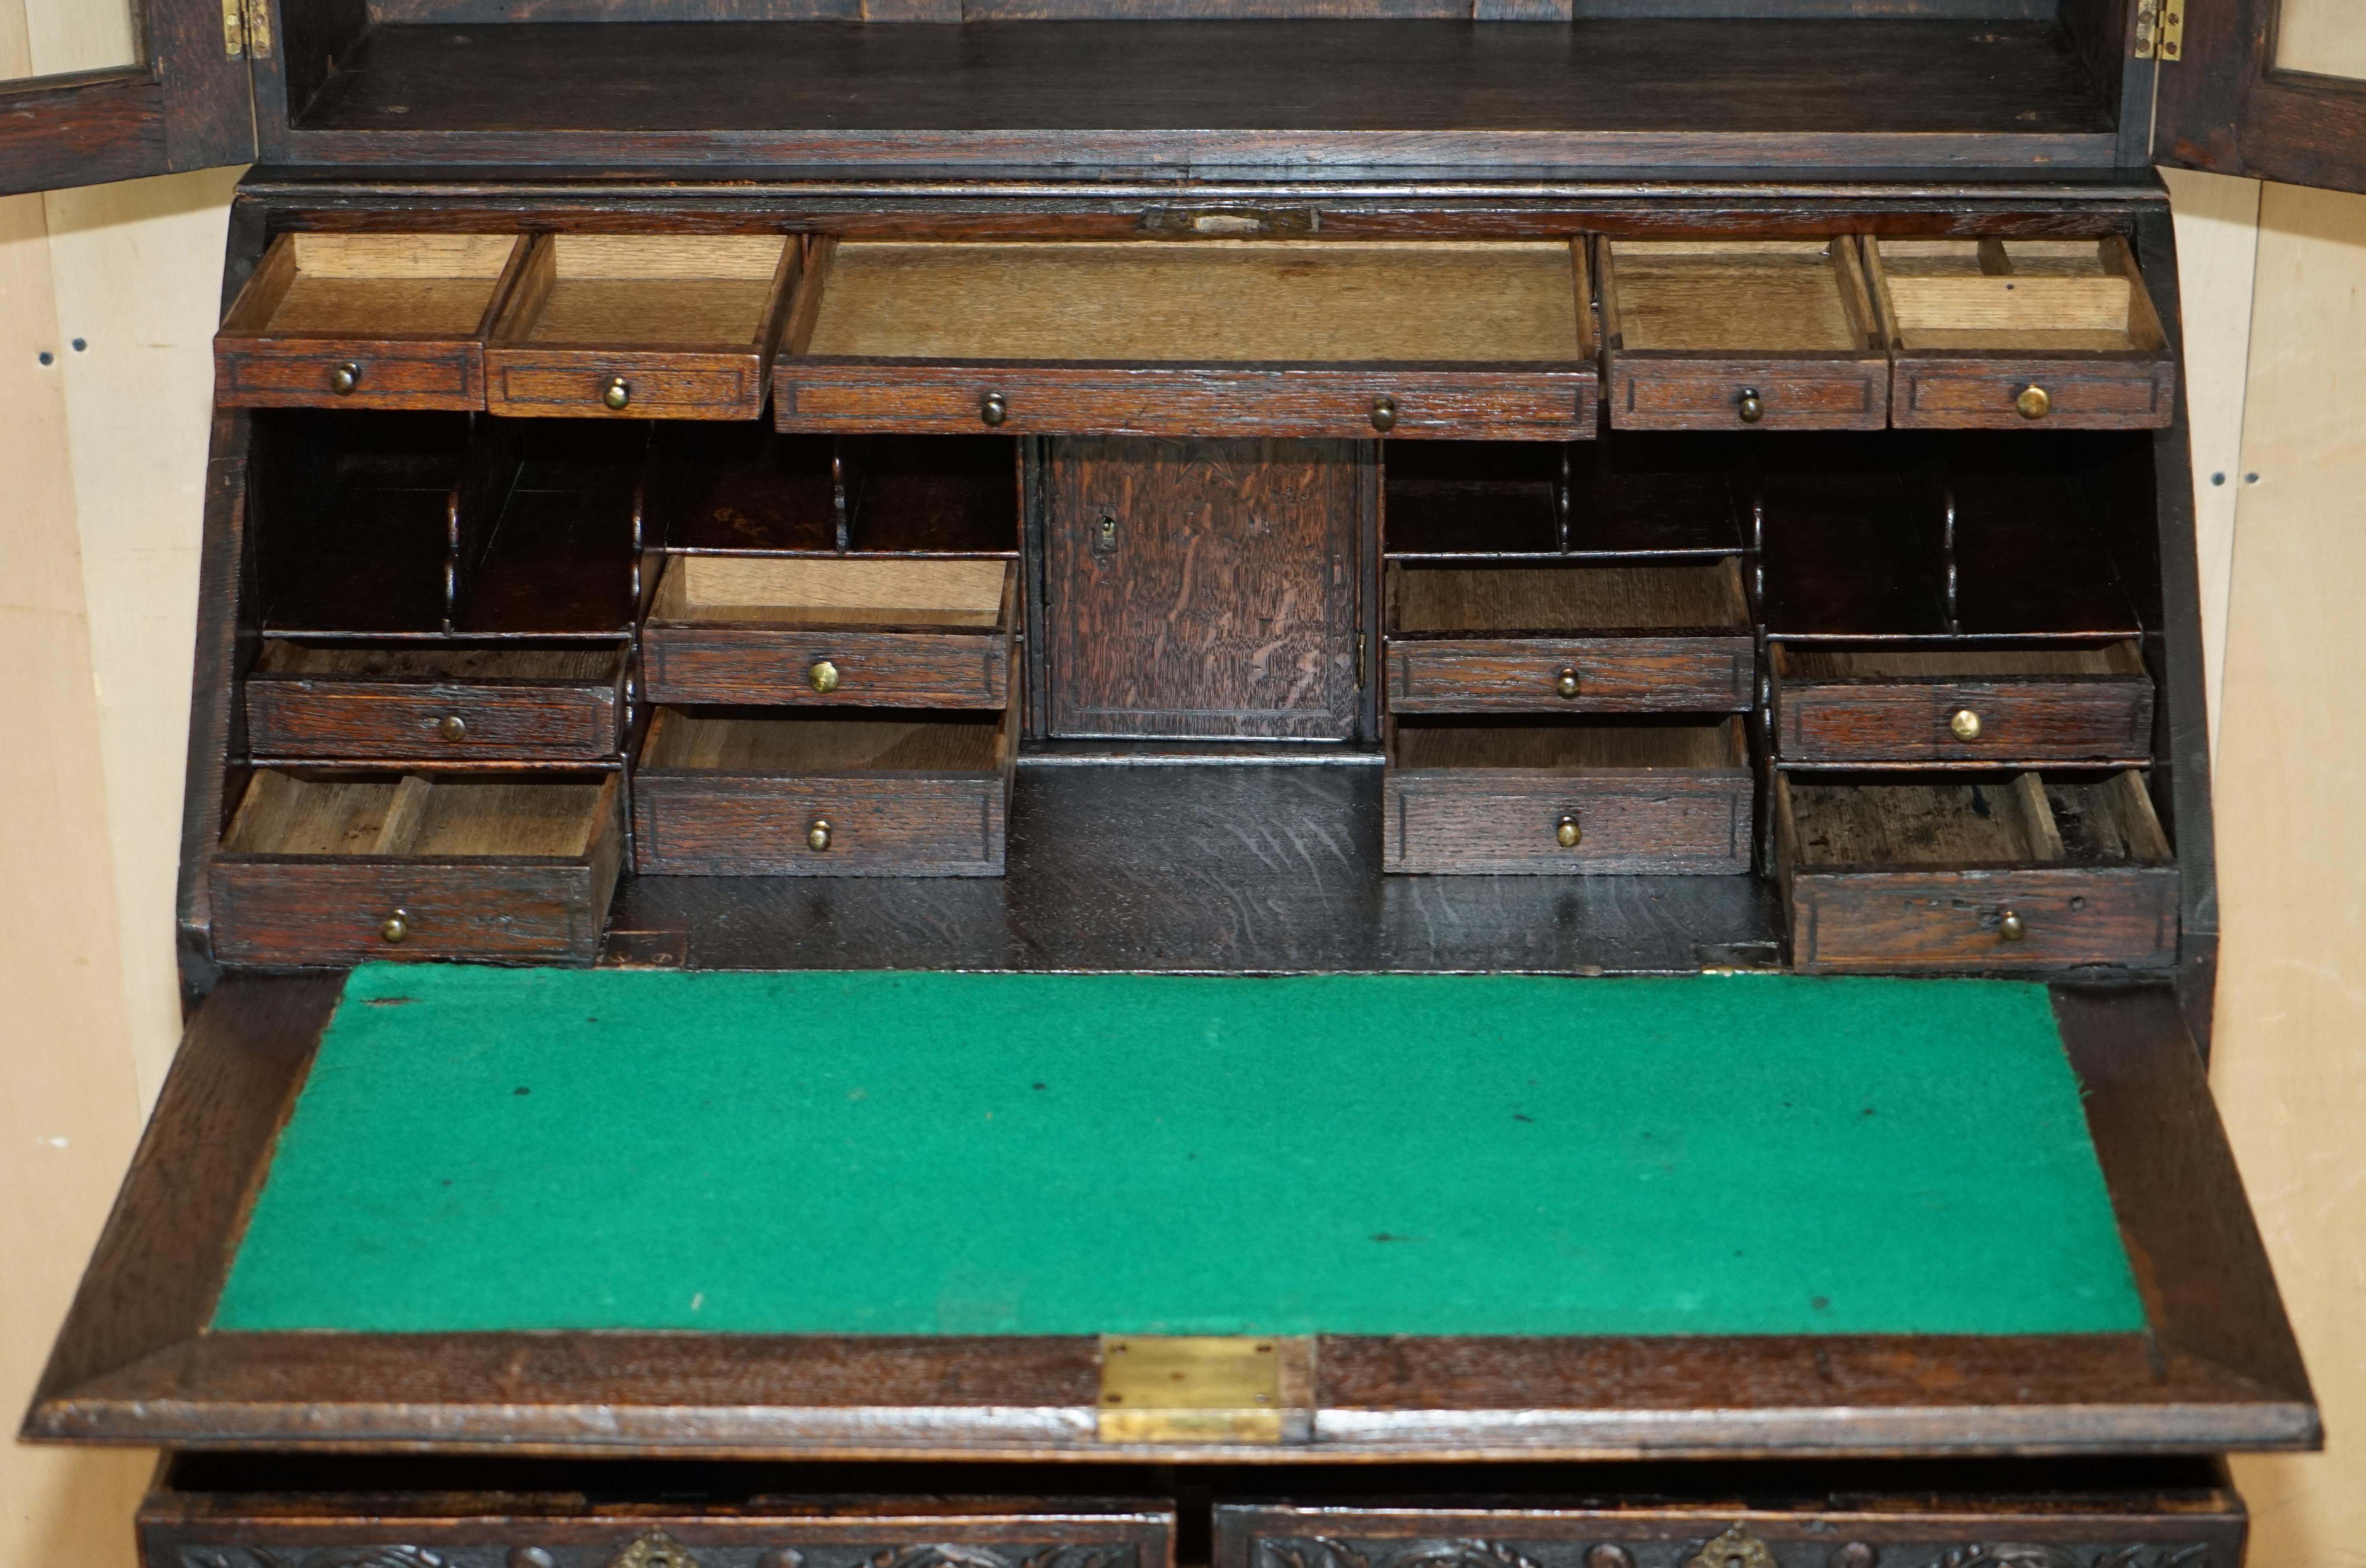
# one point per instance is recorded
(2193, 1554)
(332, 1557)
(938, 1557)
(1319, 1552)
(1736, 1548)
(655, 1550)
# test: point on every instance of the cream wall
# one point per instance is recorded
(102, 455)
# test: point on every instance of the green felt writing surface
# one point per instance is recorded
(486, 1149)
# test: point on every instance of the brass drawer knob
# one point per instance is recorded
(993, 408)
(1384, 414)
(344, 378)
(818, 836)
(1565, 683)
(822, 676)
(2034, 403)
(1752, 408)
(1609, 1555)
(451, 727)
(1964, 725)
(616, 394)
(2010, 927)
(531, 1557)
(395, 927)
(1568, 834)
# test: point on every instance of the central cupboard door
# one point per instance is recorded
(1203, 588)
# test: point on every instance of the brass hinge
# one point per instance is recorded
(2160, 30)
(246, 24)
(1205, 1389)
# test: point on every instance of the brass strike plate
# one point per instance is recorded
(1159, 1388)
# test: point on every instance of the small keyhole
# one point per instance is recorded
(1105, 536)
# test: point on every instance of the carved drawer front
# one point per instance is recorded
(1569, 639)
(365, 320)
(1341, 339)
(409, 1531)
(1568, 799)
(867, 792)
(641, 326)
(431, 706)
(1737, 334)
(2021, 335)
(2181, 1529)
(1998, 872)
(336, 868)
(839, 633)
(1969, 707)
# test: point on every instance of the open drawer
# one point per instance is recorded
(898, 631)
(1580, 639)
(2005, 334)
(1718, 334)
(2013, 872)
(376, 321)
(641, 326)
(1975, 706)
(1560, 797)
(723, 792)
(428, 703)
(334, 868)
(1314, 337)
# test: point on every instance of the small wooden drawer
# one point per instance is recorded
(2021, 335)
(2014, 872)
(1730, 334)
(1556, 798)
(365, 320)
(743, 793)
(632, 326)
(334, 869)
(1311, 338)
(436, 704)
(849, 633)
(1989, 706)
(1537, 638)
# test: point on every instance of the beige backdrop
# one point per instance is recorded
(103, 452)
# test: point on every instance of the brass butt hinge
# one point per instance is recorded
(247, 28)
(1205, 1389)
(2160, 31)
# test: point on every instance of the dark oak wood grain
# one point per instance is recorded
(495, 706)
(1862, 709)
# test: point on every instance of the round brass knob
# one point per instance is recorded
(993, 408)
(344, 378)
(1752, 408)
(616, 394)
(1607, 1555)
(818, 836)
(1965, 725)
(1565, 683)
(395, 927)
(1384, 414)
(2034, 403)
(531, 1557)
(1567, 834)
(451, 727)
(1854, 1555)
(822, 676)
(2009, 926)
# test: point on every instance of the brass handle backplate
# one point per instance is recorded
(818, 836)
(395, 927)
(822, 676)
(1752, 408)
(1384, 414)
(1567, 833)
(344, 378)
(2034, 403)
(1965, 725)
(616, 394)
(1565, 683)
(451, 727)
(993, 408)
(2010, 927)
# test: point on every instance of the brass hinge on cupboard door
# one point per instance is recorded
(246, 27)
(2160, 30)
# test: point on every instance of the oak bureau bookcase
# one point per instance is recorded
(1264, 784)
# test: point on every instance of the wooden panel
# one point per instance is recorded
(1621, 675)
(2244, 111)
(400, 704)
(1204, 588)
(1899, 706)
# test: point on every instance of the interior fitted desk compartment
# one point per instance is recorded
(725, 792)
(1716, 334)
(1672, 796)
(1312, 337)
(438, 704)
(1590, 639)
(333, 868)
(1974, 706)
(641, 326)
(2020, 333)
(851, 632)
(2013, 872)
(373, 320)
